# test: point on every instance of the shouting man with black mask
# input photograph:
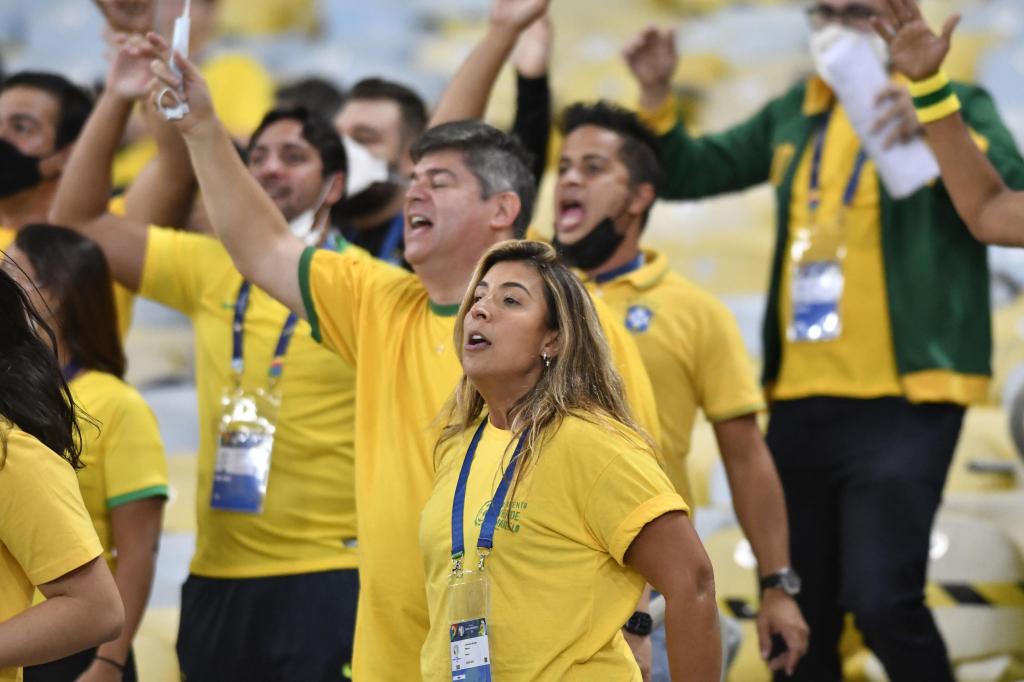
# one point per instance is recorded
(41, 115)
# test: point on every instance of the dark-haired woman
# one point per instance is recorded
(46, 538)
(550, 510)
(124, 481)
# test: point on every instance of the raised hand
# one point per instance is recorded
(129, 75)
(652, 58)
(532, 55)
(517, 15)
(915, 51)
(190, 87)
(128, 16)
(899, 114)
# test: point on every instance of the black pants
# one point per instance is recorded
(863, 481)
(276, 629)
(69, 668)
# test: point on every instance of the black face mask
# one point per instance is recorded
(18, 172)
(367, 202)
(594, 249)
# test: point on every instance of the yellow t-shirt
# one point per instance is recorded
(861, 363)
(124, 458)
(45, 531)
(379, 318)
(692, 349)
(308, 522)
(560, 592)
(124, 299)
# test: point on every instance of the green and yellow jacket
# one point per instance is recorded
(936, 273)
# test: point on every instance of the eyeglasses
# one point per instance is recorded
(850, 15)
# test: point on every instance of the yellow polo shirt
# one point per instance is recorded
(861, 362)
(692, 349)
(124, 299)
(379, 318)
(122, 452)
(308, 522)
(560, 591)
(45, 531)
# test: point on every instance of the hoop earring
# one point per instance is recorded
(547, 360)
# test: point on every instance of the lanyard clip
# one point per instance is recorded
(483, 553)
(457, 566)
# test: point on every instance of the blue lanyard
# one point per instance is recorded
(629, 267)
(391, 240)
(814, 197)
(70, 370)
(238, 337)
(486, 540)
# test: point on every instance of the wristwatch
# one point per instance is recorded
(640, 624)
(785, 579)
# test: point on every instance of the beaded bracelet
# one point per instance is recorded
(934, 98)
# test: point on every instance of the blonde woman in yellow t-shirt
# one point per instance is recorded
(549, 510)
(124, 479)
(46, 540)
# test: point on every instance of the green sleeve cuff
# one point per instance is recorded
(305, 262)
(152, 491)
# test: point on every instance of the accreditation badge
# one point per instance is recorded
(816, 285)
(468, 608)
(246, 441)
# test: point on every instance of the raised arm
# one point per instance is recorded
(163, 192)
(532, 124)
(84, 190)
(467, 94)
(993, 212)
(245, 219)
(695, 167)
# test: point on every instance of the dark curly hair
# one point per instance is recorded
(640, 151)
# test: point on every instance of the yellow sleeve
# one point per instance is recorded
(134, 465)
(631, 491)
(334, 285)
(43, 521)
(630, 365)
(173, 267)
(242, 92)
(723, 376)
(662, 119)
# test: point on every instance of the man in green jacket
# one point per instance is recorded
(877, 335)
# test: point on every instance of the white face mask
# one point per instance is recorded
(826, 38)
(364, 169)
(304, 225)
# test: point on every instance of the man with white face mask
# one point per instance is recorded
(876, 337)
(273, 584)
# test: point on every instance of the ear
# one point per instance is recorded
(507, 206)
(550, 345)
(643, 197)
(336, 190)
(52, 166)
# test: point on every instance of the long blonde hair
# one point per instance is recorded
(581, 381)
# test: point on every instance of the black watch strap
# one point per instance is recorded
(640, 624)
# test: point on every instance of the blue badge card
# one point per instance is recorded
(817, 288)
(471, 651)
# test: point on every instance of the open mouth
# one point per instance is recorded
(477, 341)
(570, 214)
(419, 222)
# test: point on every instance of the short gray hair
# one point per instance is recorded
(497, 160)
